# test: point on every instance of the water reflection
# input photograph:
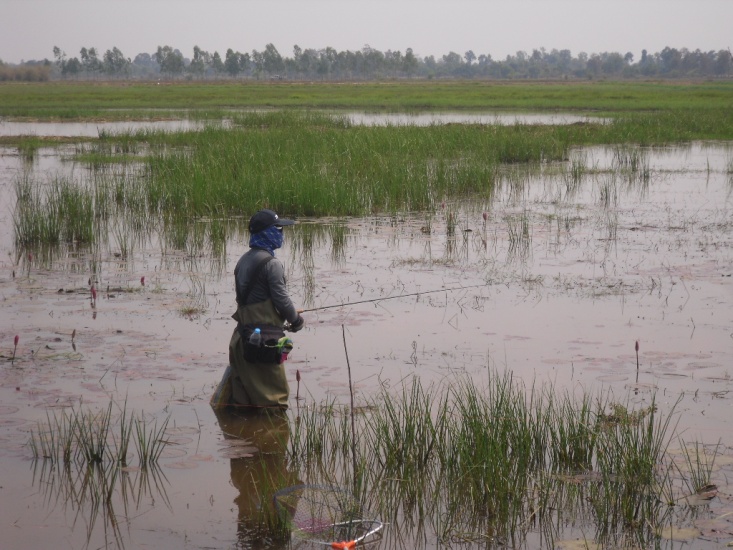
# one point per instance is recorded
(97, 129)
(94, 129)
(256, 443)
(101, 493)
(427, 119)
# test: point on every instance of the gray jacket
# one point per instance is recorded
(270, 283)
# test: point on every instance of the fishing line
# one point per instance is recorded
(452, 289)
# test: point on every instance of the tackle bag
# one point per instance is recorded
(270, 349)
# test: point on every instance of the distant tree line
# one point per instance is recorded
(370, 64)
(32, 71)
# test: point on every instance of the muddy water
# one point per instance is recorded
(556, 284)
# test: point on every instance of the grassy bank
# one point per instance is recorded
(130, 100)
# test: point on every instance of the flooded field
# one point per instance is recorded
(554, 280)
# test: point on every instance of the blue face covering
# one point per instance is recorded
(268, 239)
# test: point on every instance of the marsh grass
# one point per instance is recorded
(698, 466)
(608, 193)
(52, 212)
(311, 164)
(128, 100)
(196, 302)
(519, 236)
(502, 461)
(82, 460)
(28, 147)
(576, 169)
(83, 437)
(150, 441)
(100, 493)
(303, 163)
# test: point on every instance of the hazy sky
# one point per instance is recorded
(29, 29)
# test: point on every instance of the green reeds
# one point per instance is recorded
(193, 187)
(52, 212)
(519, 236)
(498, 460)
(698, 466)
(84, 457)
(309, 164)
(149, 441)
(85, 438)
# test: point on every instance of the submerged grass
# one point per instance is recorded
(497, 463)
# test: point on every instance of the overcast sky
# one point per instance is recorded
(29, 29)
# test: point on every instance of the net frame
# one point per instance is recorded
(325, 514)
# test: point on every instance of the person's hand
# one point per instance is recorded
(298, 324)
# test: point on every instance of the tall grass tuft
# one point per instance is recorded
(149, 441)
(56, 211)
(83, 437)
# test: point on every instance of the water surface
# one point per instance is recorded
(607, 261)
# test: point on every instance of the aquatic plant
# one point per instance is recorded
(469, 460)
(15, 347)
(84, 437)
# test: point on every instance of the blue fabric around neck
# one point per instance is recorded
(268, 239)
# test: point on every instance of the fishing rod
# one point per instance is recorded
(393, 297)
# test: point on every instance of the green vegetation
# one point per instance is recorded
(150, 100)
(82, 459)
(311, 164)
(60, 211)
(83, 438)
(500, 462)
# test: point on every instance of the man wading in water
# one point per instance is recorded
(257, 357)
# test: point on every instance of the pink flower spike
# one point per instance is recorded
(15, 348)
(636, 346)
(297, 374)
(94, 293)
(486, 216)
(142, 280)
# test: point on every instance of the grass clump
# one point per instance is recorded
(82, 460)
(85, 438)
(53, 212)
(499, 462)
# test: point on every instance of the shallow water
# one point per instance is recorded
(94, 129)
(562, 304)
(498, 118)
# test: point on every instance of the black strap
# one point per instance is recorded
(242, 298)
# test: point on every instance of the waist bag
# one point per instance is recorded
(269, 350)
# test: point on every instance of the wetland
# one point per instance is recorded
(531, 310)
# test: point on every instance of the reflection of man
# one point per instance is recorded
(257, 477)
